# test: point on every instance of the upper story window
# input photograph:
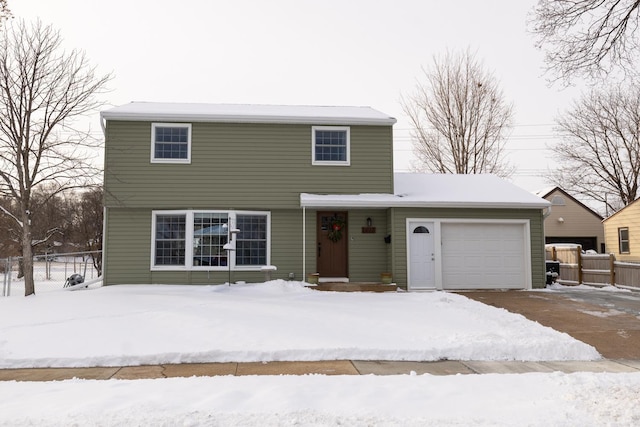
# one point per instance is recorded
(623, 240)
(331, 145)
(171, 143)
(557, 200)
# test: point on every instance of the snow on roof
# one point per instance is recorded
(437, 190)
(544, 192)
(246, 113)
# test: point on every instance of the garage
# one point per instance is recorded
(457, 254)
(490, 255)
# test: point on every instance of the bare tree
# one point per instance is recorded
(459, 118)
(600, 151)
(587, 38)
(43, 89)
(5, 12)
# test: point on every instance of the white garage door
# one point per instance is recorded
(484, 256)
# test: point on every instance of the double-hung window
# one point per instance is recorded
(331, 145)
(623, 240)
(171, 143)
(210, 240)
(170, 239)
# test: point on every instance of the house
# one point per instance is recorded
(622, 233)
(571, 221)
(210, 193)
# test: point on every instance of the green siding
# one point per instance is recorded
(128, 246)
(129, 249)
(238, 166)
(367, 251)
(399, 242)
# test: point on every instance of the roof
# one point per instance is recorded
(246, 113)
(629, 206)
(437, 190)
(547, 192)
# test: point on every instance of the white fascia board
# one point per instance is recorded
(391, 201)
(234, 118)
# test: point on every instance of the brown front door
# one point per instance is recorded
(332, 244)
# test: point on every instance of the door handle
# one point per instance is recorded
(319, 248)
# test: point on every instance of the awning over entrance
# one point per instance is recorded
(435, 190)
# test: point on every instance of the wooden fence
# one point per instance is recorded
(593, 269)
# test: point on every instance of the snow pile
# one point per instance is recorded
(315, 400)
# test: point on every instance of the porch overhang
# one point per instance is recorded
(384, 201)
(422, 190)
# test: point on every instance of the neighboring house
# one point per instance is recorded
(571, 221)
(622, 233)
(199, 193)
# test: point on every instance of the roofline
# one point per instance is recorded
(244, 118)
(620, 210)
(600, 217)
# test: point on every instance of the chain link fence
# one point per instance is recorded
(50, 272)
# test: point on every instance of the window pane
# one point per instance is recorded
(623, 240)
(331, 145)
(251, 243)
(210, 234)
(171, 142)
(170, 239)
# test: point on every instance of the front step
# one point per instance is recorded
(354, 287)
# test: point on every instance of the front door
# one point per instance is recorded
(421, 255)
(332, 241)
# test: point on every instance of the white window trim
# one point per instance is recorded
(313, 146)
(189, 214)
(153, 143)
(628, 241)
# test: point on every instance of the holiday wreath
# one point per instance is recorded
(335, 229)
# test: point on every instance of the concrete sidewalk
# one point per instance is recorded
(337, 367)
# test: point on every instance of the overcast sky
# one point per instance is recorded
(330, 52)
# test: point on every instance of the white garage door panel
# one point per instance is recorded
(483, 256)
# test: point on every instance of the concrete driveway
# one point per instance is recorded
(609, 321)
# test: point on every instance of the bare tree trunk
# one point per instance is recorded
(27, 256)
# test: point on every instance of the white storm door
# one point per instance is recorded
(421, 255)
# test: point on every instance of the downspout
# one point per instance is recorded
(304, 243)
(545, 215)
(105, 212)
(103, 125)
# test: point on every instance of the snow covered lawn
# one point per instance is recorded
(284, 321)
(278, 320)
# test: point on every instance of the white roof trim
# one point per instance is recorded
(392, 201)
(239, 113)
